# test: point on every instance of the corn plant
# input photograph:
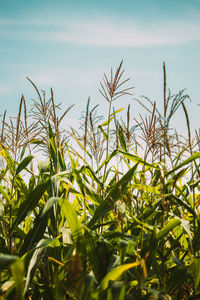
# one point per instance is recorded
(116, 218)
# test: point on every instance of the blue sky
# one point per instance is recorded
(68, 45)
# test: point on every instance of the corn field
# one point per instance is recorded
(107, 211)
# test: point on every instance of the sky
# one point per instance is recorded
(68, 45)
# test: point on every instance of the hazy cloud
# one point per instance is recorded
(101, 32)
(129, 35)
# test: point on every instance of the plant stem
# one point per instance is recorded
(107, 144)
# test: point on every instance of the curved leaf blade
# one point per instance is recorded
(168, 227)
(30, 202)
(24, 163)
(116, 273)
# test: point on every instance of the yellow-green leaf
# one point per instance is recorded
(116, 273)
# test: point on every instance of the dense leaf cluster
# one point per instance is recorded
(107, 221)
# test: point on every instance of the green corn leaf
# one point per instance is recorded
(137, 159)
(115, 274)
(142, 224)
(89, 171)
(122, 139)
(168, 227)
(70, 215)
(197, 274)
(55, 184)
(117, 111)
(23, 164)
(178, 176)
(30, 202)
(17, 269)
(181, 202)
(185, 162)
(111, 117)
(103, 131)
(49, 204)
(196, 238)
(146, 188)
(106, 161)
(6, 260)
(156, 177)
(22, 186)
(23, 152)
(51, 134)
(149, 211)
(4, 194)
(107, 122)
(53, 149)
(53, 153)
(178, 157)
(80, 144)
(95, 248)
(33, 263)
(37, 142)
(120, 187)
(61, 161)
(114, 194)
(35, 234)
(76, 173)
(91, 194)
(129, 156)
(10, 163)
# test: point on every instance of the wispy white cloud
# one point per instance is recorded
(125, 35)
(103, 32)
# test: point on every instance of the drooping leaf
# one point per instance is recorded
(107, 121)
(185, 162)
(24, 163)
(116, 273)
(111, 117)
(88, 170)
(49, 204)
(137, 159)
(168, 227)
(117, 111)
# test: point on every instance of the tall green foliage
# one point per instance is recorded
(116, 219)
